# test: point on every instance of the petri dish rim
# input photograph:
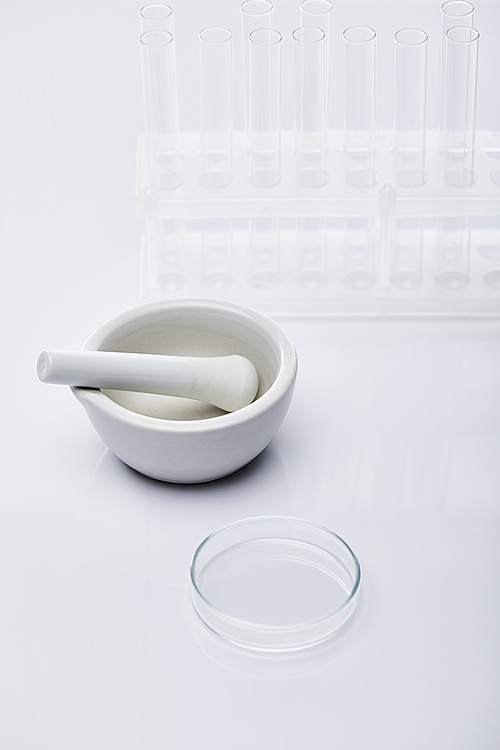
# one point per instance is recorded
(282, 637)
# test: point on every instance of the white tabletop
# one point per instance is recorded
(392, 441)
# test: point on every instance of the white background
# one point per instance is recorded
(392, 440)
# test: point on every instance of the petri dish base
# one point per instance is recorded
(274, 583)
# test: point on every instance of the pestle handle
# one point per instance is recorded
(229, 382)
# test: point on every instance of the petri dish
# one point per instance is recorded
(274, 583)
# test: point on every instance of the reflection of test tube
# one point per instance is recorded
(264, 107)
(453, 13)
(460, 84)
(406, 252)
(216, 106)
(255, 14)
(263, 253)
(319, 13)
(164, 248)
(453, 252)
(310, 105)
(156, 17)
(160, 107)
(409, 106)
(216, 250)
(359, 253)
(359, 115)
(311, 252)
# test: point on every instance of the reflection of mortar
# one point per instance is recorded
(150, 529)
(193, 444)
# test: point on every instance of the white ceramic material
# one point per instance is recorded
(181, 440)
(229, 382)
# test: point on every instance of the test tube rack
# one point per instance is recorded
(336, 248)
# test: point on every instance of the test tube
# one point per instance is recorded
(255, 14)
(156, 17)
(410, 106)
(359, 114)
(161, 119)
(319, 13)
(453, 13)
(460, 84)
(453, 256)
(216, 106)
(310, 105)
(264, 107)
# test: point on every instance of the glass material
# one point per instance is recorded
(460, 88)
(156, 17)
(159, 86)
(216, 116)
(359, 114)
(265, 107)
(274, 583)
(410, 106)
(310, 105)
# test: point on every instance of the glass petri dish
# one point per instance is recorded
(274, 583)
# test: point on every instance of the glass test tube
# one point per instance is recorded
(453, 255)
(255, 14)
(310, 105)
(359, 114)
(410, 106)
(156, 17)
(161, 119)
(453, 13)
(319, 13)
(460, 84)
(216, 116)
(264, 107)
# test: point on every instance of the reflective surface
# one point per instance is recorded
(392, 440)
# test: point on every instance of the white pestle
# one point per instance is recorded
(229, 382)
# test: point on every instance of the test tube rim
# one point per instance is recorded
(278, 38)
(423, 40)
(368, 39)
(470, 6)
(327, 3)
(227, 38)
(168, 8)
(267, 3)
(319, 38)
(473, 31)
(165, 34)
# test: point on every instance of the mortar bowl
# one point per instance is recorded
(182, 440)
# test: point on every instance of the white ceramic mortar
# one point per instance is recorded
(179, 440)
